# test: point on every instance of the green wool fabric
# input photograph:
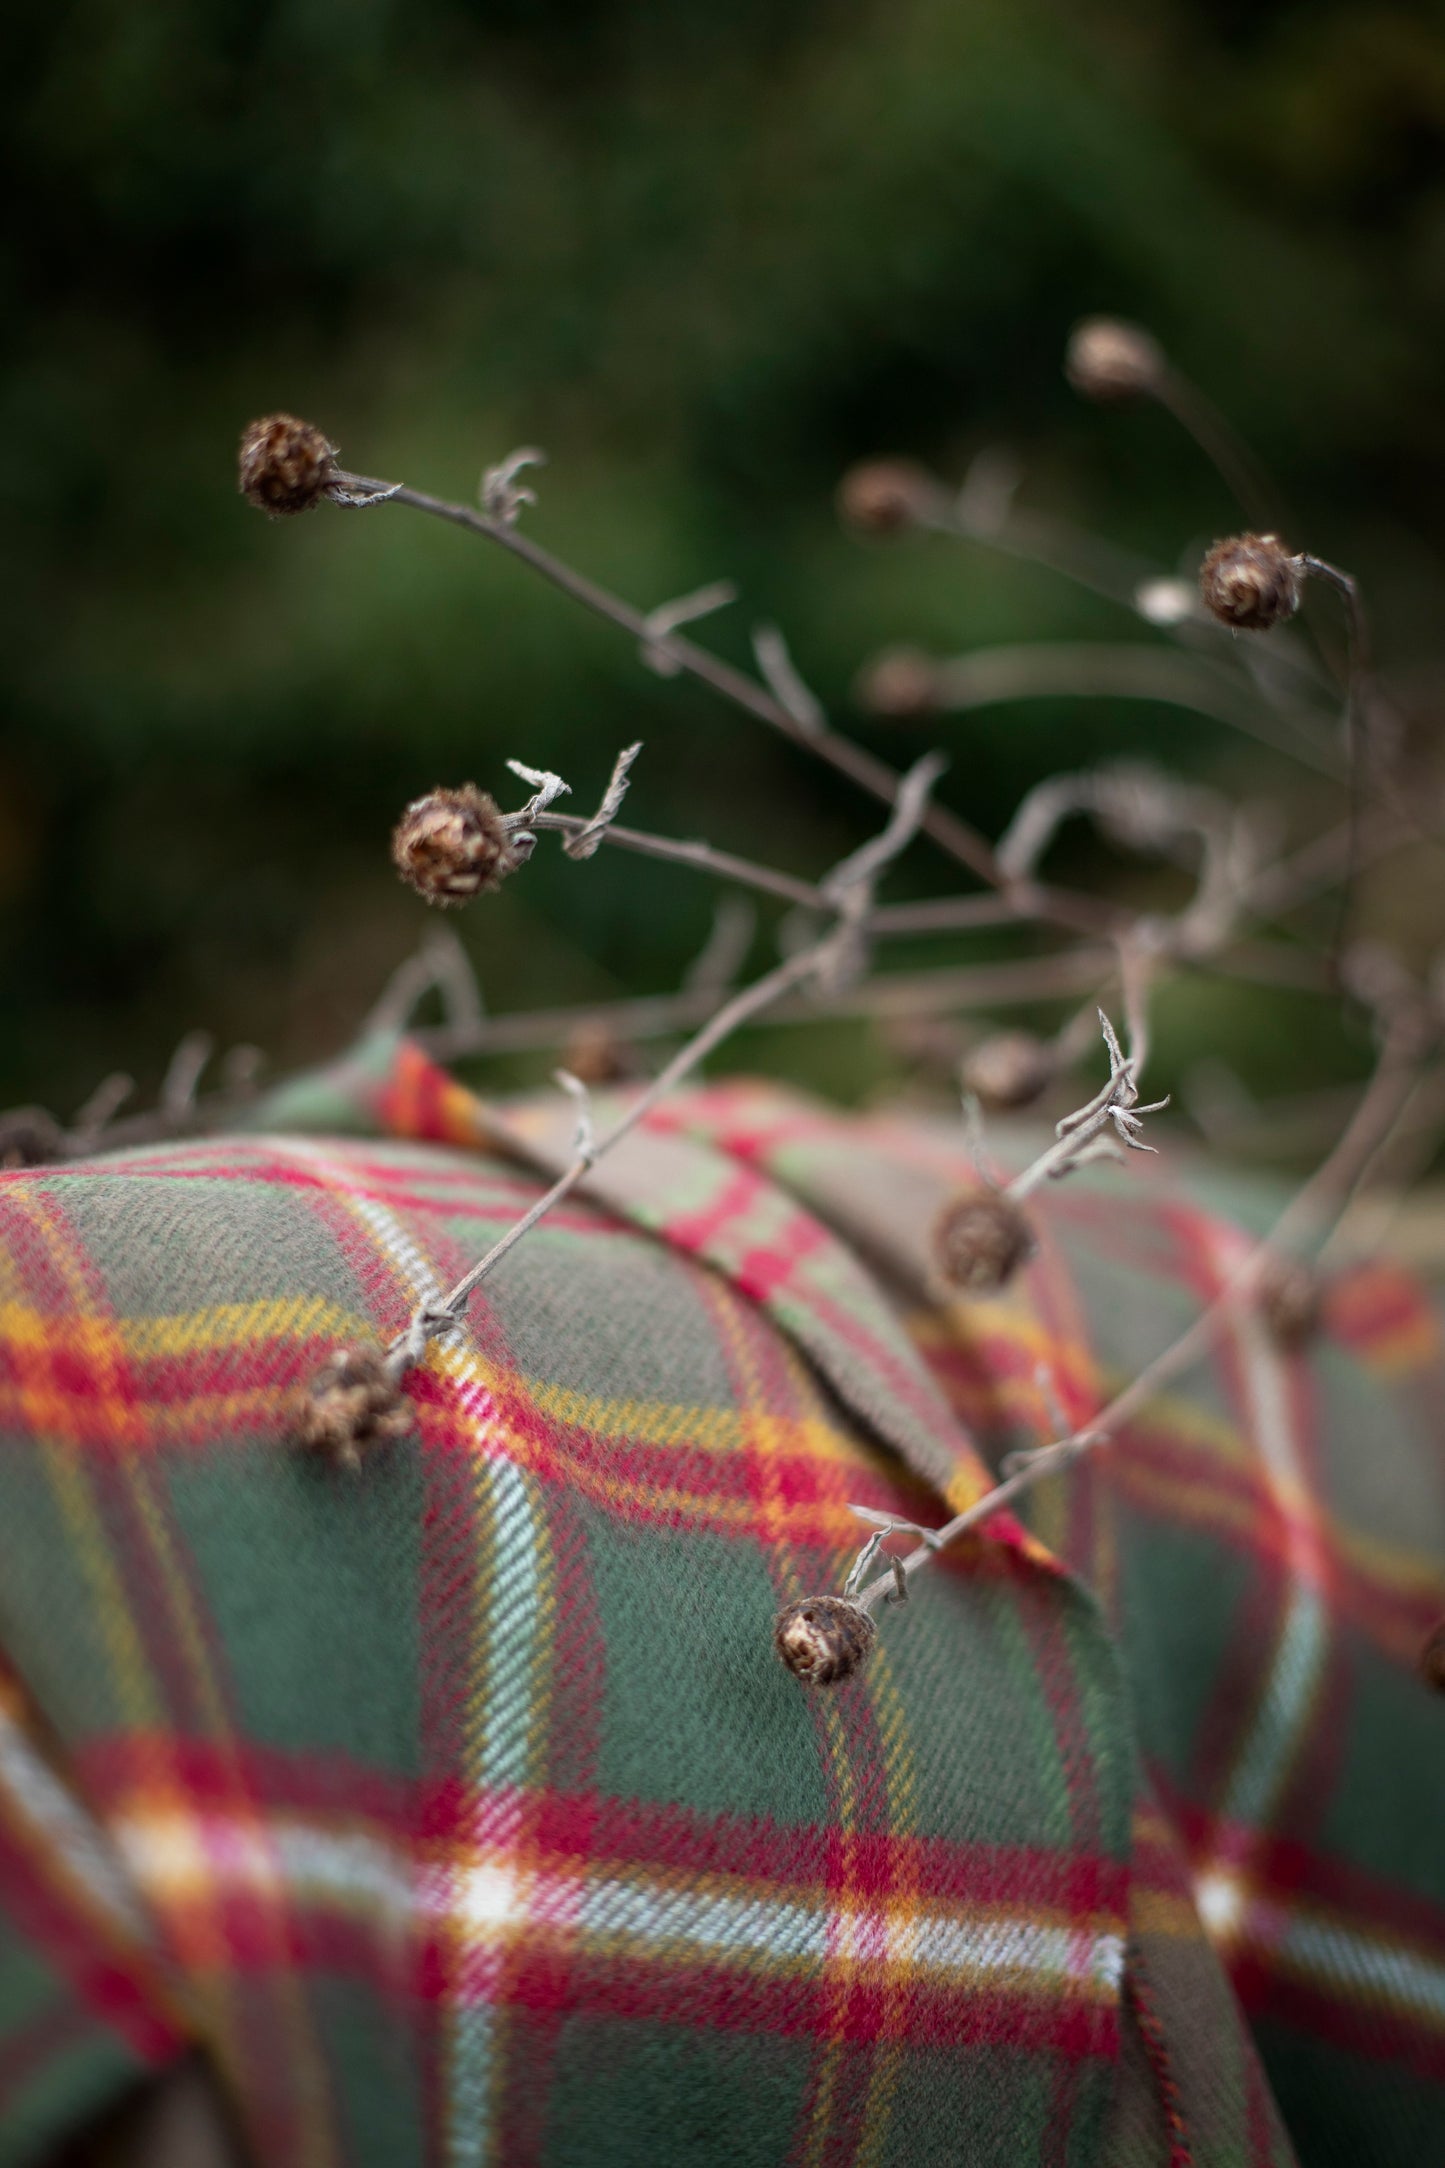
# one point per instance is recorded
(458, 1808)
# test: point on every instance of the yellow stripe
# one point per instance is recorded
(1163, 1912)
(714, 1429)
(225, 1325)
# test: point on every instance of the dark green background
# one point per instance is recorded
(706, 256)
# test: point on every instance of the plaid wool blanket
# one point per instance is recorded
(458, 1809)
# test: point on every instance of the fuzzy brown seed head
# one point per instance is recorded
(980, 1240)
(285, 465)
(350, 1406)
(1011, 1069)
(824, 1638)
(928, 1043)
(1109, 359)
(29, 1137)
(1288, 1293)
(901, 684)
(594, 1054)
(1432, 1659)
(1250, 582)
(884, 496)
(452, 844)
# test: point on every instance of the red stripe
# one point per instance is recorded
(114, 1985)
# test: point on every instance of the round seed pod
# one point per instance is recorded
(1011, 1069)
(285, 465)
(452, 844)
(29, 1137)
(595, 1054)
(1288, 1293)
(980, 1240)
(1109, 359)
(823, 1639)
(901, 684)
(884, 496)
(1250, 582)
(351, 1406)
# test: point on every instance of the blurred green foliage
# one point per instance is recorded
(706, 256)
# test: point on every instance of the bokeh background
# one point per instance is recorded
(707, 257)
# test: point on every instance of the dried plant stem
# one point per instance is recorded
(956, 836)
(1357, 717)
(1085, 669)
(963, 842)
(1100, 567)
(848, 891)
(1243, 476)
(409, 1346)
(744, 871)
(1323, 1196)
(1082, 1135)
(900, 993)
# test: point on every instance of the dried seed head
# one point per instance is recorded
(452, 844)
(594, 1054)
(824, 1638)
(924, 1042)
(884, 496)
(1012, 1069)
(980, 1240)
(350, 1406)
(1250, 582)
(285, 465)
(901, 683)
(1432, 1659)
(1288, 1294)
(29, 1137)
(1108, 359)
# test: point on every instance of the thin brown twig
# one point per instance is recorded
(1327, 1191)
(1083, 669)
(746, 872)
(408, 1347)
(1253, 489)
(848, 891)
(956, 836)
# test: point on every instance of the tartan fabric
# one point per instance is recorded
(460, 1810)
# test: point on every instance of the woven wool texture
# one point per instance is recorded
(460, 1810)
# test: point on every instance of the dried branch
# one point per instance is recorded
(849, 889)
(873, 775)
(1084, 1135)
(441, 963)
(1085, 670)
(1321, 1197)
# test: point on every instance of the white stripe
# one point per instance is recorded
(510, 1640)
(39, 1799)
(490, 1900)
(1299, 1657)
(1392, 1975)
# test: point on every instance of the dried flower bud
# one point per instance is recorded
(29, 1137)
(901, 683)
(1288, 1294)
(924, 1042)
(285, 465)
(1011, 1069)
(1250, 582)
(1432, 1659)
(824, 1638)
(452, 844)
(884, 496)
(980, 1240)
(594, 1054)
(350, 1406)
(1108, 359)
